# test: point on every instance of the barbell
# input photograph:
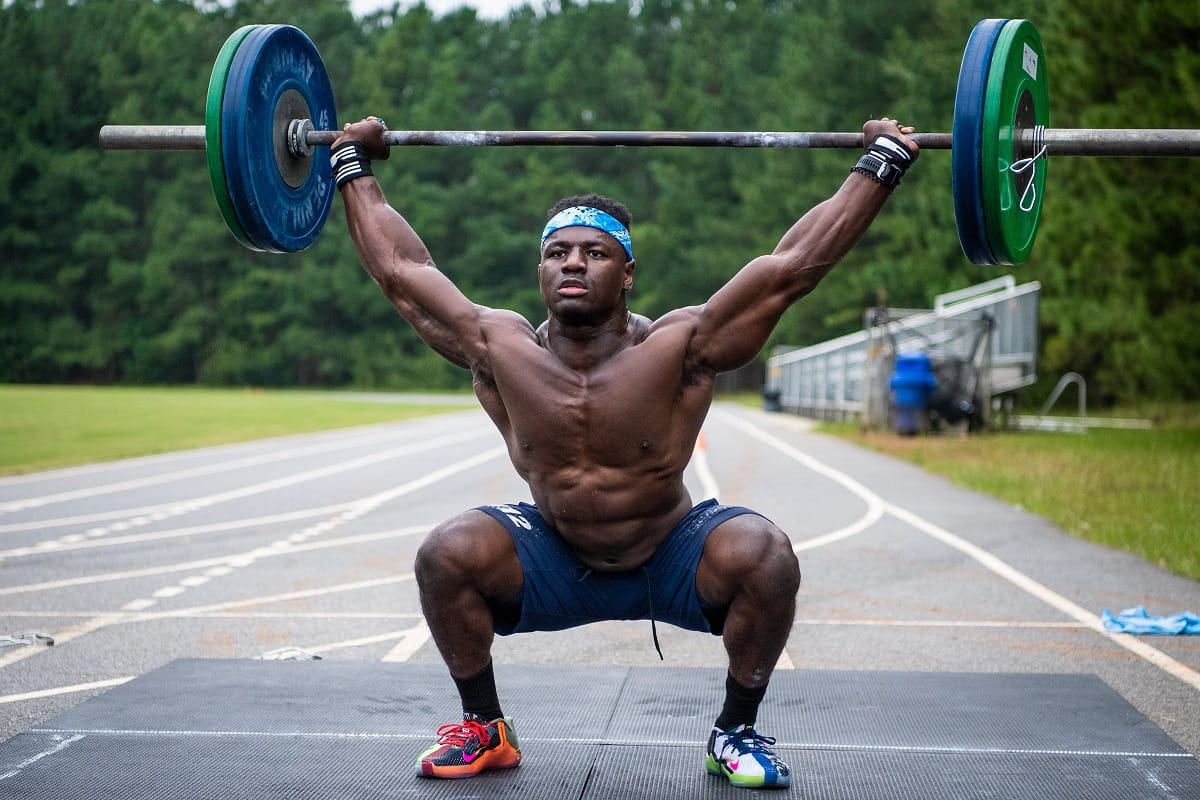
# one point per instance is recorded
(270, 117)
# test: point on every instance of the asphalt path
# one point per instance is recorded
(251, 550)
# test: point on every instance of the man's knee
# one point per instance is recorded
(470, 548)
(776, 557)
(451, 547)
(752, 553)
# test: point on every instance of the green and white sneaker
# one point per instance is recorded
(746, 759)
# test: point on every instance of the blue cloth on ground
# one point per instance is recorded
(1136, 620)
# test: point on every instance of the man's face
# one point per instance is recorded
(583, 274)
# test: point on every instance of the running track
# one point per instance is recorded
(246, 550)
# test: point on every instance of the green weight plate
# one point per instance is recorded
(1017, 99)
(212, 132)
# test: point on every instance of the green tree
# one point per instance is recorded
(1120, 250)
(116, 266)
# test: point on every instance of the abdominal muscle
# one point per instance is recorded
(612, 522)
(603, 448)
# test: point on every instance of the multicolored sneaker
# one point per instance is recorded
(469, 747)
(746, 759)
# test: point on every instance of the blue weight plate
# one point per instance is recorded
(967, 138)
(281, 201)
(235, 176)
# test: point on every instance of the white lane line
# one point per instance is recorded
(347, 437)
(873, 515)
(193, 530)
(948, 749)
(277, 483)
(179, 475)
(138, 605)
(357, 509)
(708, 481)
(360, 642)
(264, 734)
(412, 641)
(79, 687)
(65, 743)
(154, 512)
(219, 564)
(394, 615)
(92, 625)
(647, 742)
(344, 512)
(283, 597)
(874, 503)
(941, 623)
(986, 559)
(1047, 595)
(355, 615)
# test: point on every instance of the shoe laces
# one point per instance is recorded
(748, 740)
(458, 734)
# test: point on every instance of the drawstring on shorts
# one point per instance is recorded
(650, 601)
(582, 573)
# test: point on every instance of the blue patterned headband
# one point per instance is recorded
(588, 217)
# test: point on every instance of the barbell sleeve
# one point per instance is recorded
(1132, 142)
(152, 137)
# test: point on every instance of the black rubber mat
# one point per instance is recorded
(263, 730)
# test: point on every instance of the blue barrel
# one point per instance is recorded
(911, 384)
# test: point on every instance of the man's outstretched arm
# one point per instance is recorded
(396, 258)
(736, 322)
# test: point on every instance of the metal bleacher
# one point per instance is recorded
(983, 341)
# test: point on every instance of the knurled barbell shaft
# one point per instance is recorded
(1059, 141)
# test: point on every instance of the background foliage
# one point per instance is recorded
(116, 268)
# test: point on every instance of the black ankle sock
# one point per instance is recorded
(741, 704)
(478, 694)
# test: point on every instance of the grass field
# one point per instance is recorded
(1134, 490)
(55, 426)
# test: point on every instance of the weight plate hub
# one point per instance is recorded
(1017, 99)
(280, 199)
(212, 131)
(967, 137)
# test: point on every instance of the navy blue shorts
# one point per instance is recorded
(561, 592)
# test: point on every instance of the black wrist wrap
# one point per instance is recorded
(349, 161)
(885, 161)
(889, 148)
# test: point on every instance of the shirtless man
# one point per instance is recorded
(600, 409)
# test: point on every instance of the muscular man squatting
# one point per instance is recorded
(600, 409)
